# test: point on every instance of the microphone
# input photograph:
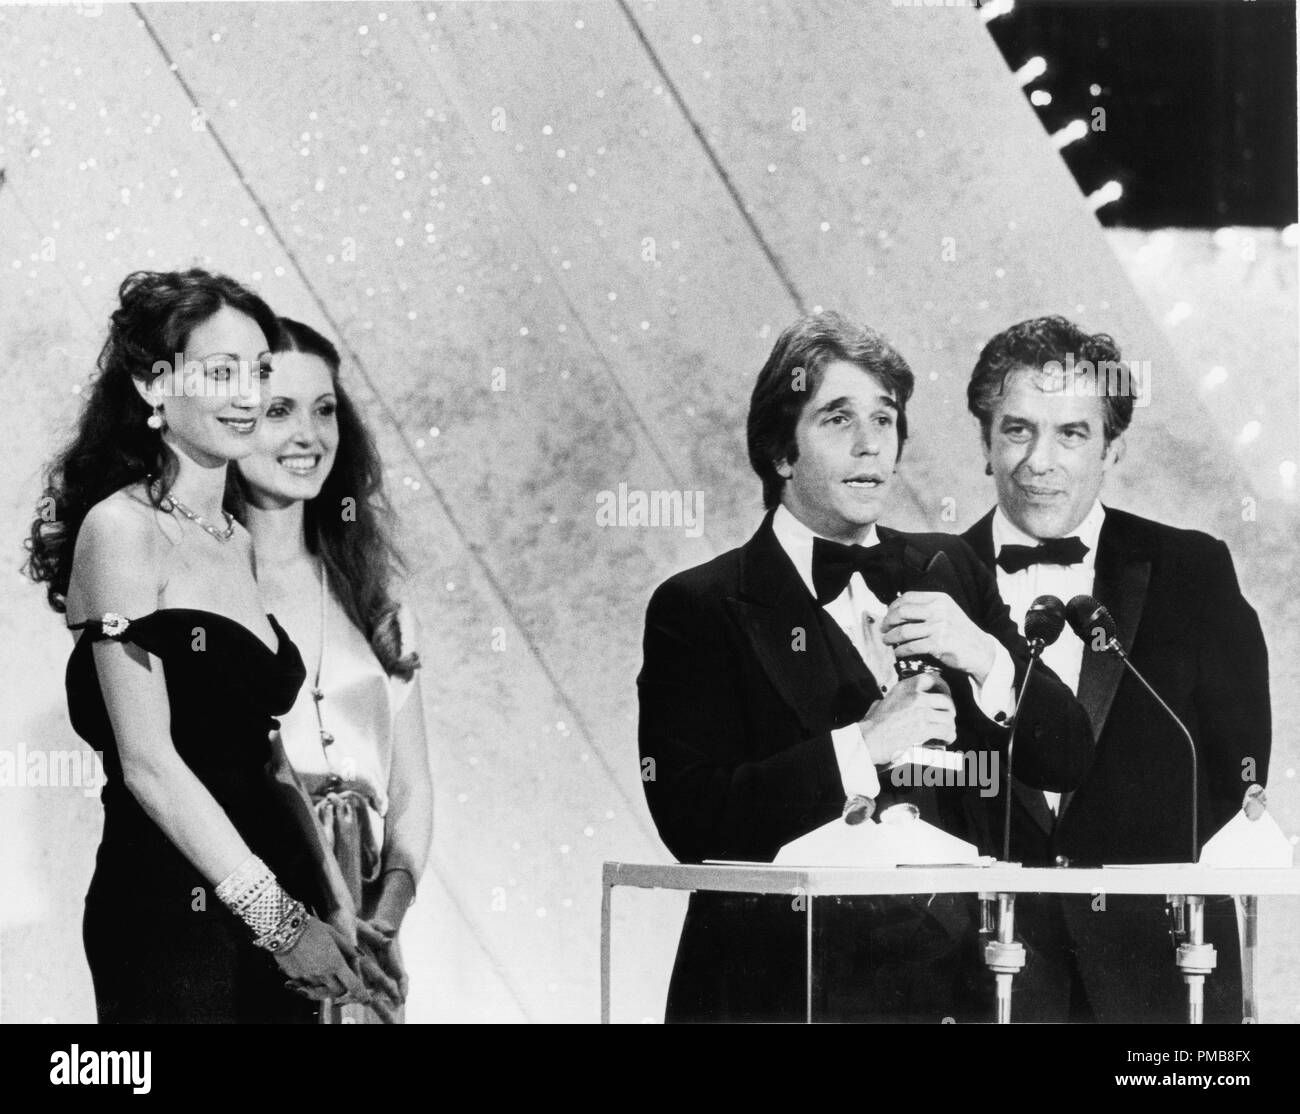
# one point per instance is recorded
(1044, 622)
(1093, 624)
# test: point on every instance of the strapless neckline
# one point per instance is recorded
(282, 640)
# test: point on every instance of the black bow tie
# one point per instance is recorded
(1053, 551)
(881, 567)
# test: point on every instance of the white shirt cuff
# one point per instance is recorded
(854, 760)
(998, 692)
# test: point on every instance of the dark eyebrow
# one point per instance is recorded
(1082, 423)
(833, 404)
(235, 355)
(1006, 418)
(844, 402)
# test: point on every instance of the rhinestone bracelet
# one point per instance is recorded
(245, 886)
(289, 930)
(252, 893)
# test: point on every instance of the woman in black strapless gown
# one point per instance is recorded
(210, 868)
(161, 946)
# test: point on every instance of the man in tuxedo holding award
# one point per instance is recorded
(1053, 403)
(769, 698)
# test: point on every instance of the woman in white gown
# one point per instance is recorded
(311, 496)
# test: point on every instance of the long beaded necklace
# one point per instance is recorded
(318, 693)
(170, 502)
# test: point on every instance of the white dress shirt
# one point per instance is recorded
(1020, 589)
(858, 612)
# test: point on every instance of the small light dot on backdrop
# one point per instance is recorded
(1215, 376)
(1287, 471)
(1249, 432)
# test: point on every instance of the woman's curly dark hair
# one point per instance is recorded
(112, 447)
(356, 549)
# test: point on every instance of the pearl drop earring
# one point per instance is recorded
(155, 420)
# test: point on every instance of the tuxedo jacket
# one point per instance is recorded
(744, 678)
(1181, 616)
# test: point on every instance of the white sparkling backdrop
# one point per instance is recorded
(555, 242)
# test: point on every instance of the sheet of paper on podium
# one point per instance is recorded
(902, 841)
(1243, 842)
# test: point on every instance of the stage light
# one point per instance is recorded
(1074, 130)
(994, 8)
(1111, 191)
(1032, 70)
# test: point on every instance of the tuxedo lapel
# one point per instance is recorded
(1035, 804)
(809, 660)
(1120, 578)
(980, 538)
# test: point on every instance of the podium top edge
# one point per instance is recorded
(765, 878)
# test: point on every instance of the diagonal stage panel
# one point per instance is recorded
(867, 165)
(484, 714)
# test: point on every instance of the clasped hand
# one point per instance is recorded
(914, 712)
(931, 623)
(347, 960)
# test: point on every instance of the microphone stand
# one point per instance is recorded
(1003, 955)
(1036, 647)
(1114, 647)
(1195, 957)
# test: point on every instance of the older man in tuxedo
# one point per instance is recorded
(768, 696)
(1053, 403)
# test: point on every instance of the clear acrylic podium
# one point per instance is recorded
(997, 885)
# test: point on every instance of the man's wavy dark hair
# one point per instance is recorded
(780, 394)
(358, 553)
(1034, 343)
(112, 447)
